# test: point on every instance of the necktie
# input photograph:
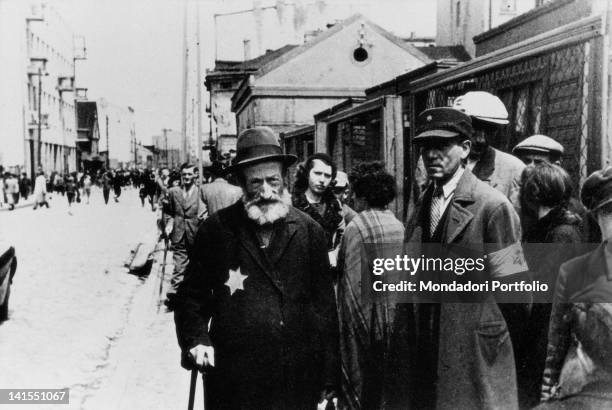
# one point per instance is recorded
(436, 209)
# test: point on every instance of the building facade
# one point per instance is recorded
(459, 21)
(37, 110)
(221, 83)
(117, 133)
(339, 63)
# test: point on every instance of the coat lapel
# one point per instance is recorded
(283, 233)
(246, 238)
(598, 264)
(190, 200)
(459, 217)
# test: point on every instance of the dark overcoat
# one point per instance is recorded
(274, 325)
(475, 361)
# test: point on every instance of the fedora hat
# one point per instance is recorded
(259, 144)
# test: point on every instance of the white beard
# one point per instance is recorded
(268, 213)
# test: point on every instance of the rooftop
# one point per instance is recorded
(454, 53)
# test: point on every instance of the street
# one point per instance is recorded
(78, 319)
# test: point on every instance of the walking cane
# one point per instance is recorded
(204, 390)
(163, 274)
(192, 387)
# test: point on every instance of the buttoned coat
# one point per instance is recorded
(475, 366)
(185, 213)
(274, 323)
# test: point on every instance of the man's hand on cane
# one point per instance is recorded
(202, 356)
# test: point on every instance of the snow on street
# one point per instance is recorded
(78, 319)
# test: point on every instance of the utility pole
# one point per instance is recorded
(199, 96)
(185, 85)
(39, 142)
(165, 131)
(107, 147)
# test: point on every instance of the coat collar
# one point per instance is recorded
(598, 263)
(485, 167)
(193, 198)
(459, 217)
(283, 233)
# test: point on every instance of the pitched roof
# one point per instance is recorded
(227, 66)
(454, 53)
(283, 58)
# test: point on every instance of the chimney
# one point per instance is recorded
(259, 26)
(247, 49)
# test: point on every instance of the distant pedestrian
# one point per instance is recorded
(2, 191)
(71, 191)
(150, 189)
(25, 185)
(219, 193)
(87, 187)
(106, 181)
(59, 184)
(117, 183)
(12, 190)
(40, 190)
(185, 208)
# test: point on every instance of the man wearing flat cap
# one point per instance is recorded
(463, 356)
(539, 148)
(586, 279)
(260, 275)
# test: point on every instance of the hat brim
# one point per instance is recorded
(526, 148)
(435, 134)
(286, 159)
(493, 120)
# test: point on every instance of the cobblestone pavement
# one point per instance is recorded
(78, 319)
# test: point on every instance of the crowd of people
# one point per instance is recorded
(272, 285)
(270, 291)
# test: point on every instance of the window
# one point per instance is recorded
(524, 104)
(360, 54)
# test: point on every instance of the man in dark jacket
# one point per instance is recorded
(260, 272)
(461, 356)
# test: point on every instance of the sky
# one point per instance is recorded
(134, 47)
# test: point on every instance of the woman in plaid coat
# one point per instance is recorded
(365, 324)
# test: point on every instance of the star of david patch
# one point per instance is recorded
(235, 281)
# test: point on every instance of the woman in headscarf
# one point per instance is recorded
(365, 322)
